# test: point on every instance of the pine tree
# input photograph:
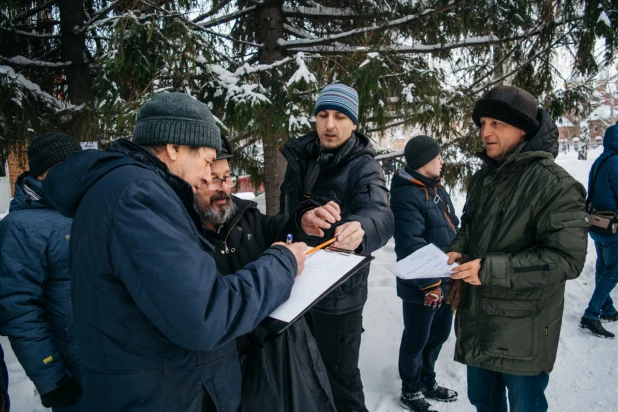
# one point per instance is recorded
(259, 64)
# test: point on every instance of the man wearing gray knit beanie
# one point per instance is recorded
(156, 323)
(334, 187)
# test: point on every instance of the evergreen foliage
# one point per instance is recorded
(86, 66)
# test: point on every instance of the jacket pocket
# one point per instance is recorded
(510, 328)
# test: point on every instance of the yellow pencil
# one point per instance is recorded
(323, 245)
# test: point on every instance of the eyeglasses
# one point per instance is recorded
(216, 183)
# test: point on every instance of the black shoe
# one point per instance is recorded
(596, 328)
(415, 402)
(610, 318)
(439, 393)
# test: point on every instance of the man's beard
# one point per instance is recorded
(217, 217)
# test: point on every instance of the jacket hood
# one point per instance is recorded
(22, 200)
(357, 145)
(610, 140)
(402, 178)
(544, 140)
(67, 182)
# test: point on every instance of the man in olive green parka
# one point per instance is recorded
(524, 232)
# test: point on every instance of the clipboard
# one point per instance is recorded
(324, 271)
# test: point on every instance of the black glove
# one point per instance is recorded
(64, 395)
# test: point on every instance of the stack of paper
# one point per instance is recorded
(427, 262)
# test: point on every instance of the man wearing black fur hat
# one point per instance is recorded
(524, 231)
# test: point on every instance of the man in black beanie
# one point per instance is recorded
(423, 214)
(156, 324)
(524, 231)
(35, 303)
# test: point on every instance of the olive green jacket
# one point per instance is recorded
(526, 218)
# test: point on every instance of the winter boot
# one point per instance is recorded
(595, 327)
(610, 318)
(439, 393)
(415, 402)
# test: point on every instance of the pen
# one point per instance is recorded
(289, 238)
(318, 247)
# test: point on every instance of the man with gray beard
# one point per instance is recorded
(240, 233)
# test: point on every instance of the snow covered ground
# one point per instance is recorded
(584, 378)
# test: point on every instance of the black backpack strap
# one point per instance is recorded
(594, 181)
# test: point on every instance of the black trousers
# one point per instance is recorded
(339, 338)
(425, 330)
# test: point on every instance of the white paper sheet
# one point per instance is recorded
(427, 262)
(322, 270)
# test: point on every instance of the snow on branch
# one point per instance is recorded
(228, 17)
(31, 34)
(23, 61)
(97, 16)
(319, 11)
(302, 73)
(391, 24)
(472, 41)
(243, 93)
(8, 76)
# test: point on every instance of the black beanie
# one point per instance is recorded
(48, 150)
(176, 118)
(420, 150)
(226, 149)
(510, 105)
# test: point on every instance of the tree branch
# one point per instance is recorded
(97, 16)
(33, 11)
(24, 62)
(215, 9)
(343, 35)
(228, 17)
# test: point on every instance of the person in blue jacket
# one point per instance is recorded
(156, 324)
(5, 403)
(423, 214)
(605, 197)
(35, 301)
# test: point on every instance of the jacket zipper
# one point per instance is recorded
(238, 216)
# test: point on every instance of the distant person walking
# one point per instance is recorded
(603, 189)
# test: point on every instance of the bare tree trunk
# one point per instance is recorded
(271, 20)
(79, 83)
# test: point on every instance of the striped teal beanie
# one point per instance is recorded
(339, 97)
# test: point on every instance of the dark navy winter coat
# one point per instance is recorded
(352, 179)
(155, 322)
(423, 214)
(35, 299)
(606, 187)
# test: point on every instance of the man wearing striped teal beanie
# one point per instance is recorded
(332, 175)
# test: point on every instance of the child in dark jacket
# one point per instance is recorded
(423, 214)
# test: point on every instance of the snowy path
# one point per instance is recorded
(585, 377)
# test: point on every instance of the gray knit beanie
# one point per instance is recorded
(176, 118)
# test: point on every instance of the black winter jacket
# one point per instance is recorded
(423, 214)
(298, 381)
(354, 180)
(246, 236)
(154, 320)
